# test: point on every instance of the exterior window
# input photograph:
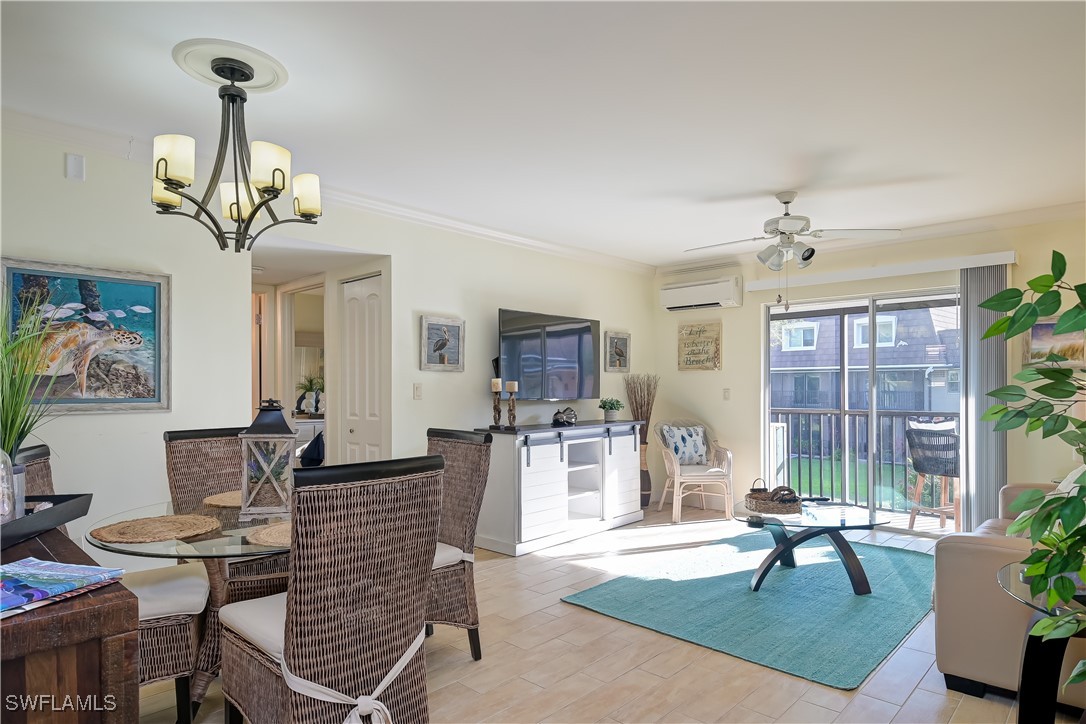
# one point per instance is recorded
(954, 382)
(885, 330)
(798, 336)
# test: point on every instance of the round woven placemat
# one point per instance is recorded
(154, 530)
(230, 499)
(276, 534)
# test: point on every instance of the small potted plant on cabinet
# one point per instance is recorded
(610, 407)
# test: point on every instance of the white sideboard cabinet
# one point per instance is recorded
(548, 485)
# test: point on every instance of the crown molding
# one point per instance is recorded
(129, 147)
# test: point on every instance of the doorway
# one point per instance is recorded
(846, 380)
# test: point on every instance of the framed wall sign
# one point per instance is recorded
(442, 344)
(107, 333)
(699, 346)
(617, 355)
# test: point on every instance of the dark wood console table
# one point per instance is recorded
(85, 648)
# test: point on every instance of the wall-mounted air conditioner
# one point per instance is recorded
(717, 292)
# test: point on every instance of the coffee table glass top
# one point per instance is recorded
(819, 515)
(1010, 579)
(229, 541)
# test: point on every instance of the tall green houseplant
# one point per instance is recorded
(22, 355)
(1044, 402)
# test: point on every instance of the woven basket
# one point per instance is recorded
(759, 500)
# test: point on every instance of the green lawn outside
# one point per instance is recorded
(804, 477)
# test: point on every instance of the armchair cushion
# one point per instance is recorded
(687, 443)
(697, 471)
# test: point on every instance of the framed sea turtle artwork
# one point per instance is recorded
(442, 344)
(106, 334)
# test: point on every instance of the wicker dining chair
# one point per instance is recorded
(39, 472)
(200, 463)
(347, 635)
(452, 582)
(171, 602)
(712, 468)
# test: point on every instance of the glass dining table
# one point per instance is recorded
(230, 540)
(228, 543)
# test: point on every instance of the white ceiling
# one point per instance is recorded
(277, 260)
(630, 129)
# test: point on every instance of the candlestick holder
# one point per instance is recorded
(497, 411)
(512, 412)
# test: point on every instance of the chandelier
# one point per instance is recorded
(261, 172)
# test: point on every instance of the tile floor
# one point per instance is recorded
(547, 661)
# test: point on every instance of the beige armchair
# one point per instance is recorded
(693, 478)
(979, 628)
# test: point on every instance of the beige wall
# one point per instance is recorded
(108, 221)
(737, 422)
(309, 312)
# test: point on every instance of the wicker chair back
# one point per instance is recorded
(360, 567)
(467, 465)
(200, 463)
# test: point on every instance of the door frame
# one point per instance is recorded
(284, 302)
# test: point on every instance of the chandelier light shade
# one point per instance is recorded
(261, 172)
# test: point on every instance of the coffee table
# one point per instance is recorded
(815, 520)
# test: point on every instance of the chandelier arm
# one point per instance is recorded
(209, 227)
(239, 172)
(277, 223)
(246, 162)
(218, 232)
(243, 232)
(220, 158)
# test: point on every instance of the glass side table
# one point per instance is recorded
(1039, 680)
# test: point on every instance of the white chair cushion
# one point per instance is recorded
(169, 591)
(700, 471)
(260, 621)
(688, 443)
(1069, 484)
(447, 555)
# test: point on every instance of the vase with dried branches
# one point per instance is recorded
(641, 392)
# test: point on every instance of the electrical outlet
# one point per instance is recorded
(416, 391)
(727, 393)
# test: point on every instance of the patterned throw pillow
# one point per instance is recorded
(688, 443)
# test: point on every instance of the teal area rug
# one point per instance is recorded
(804, 621)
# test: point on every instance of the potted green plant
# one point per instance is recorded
(610, 407)
(25, 395)
(309, 384)
(1043, 402)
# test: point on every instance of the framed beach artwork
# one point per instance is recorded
(699, 346)
(107, 334)
(1042, 342)
(442, 344)
(617, 357)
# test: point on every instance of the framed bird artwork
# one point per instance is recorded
(442, 344)
(617, 357)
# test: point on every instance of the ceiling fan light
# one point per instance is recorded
(804, 263)
(803, 253)
(767, 255)
(776, 263)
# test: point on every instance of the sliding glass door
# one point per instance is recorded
(846, 381)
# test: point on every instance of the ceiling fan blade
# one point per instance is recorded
(867, 234)
(726, 243)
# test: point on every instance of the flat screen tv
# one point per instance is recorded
(552, 357)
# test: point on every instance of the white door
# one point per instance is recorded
(361, 369)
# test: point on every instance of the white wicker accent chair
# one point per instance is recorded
(694, 479)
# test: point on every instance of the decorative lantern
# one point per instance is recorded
(268, 452)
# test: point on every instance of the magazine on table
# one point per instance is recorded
(30, 583)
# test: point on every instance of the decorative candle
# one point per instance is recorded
(270, 166)
(496, 384)
(175, 158)
(512, 386)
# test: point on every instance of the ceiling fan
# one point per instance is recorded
(784, 230)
